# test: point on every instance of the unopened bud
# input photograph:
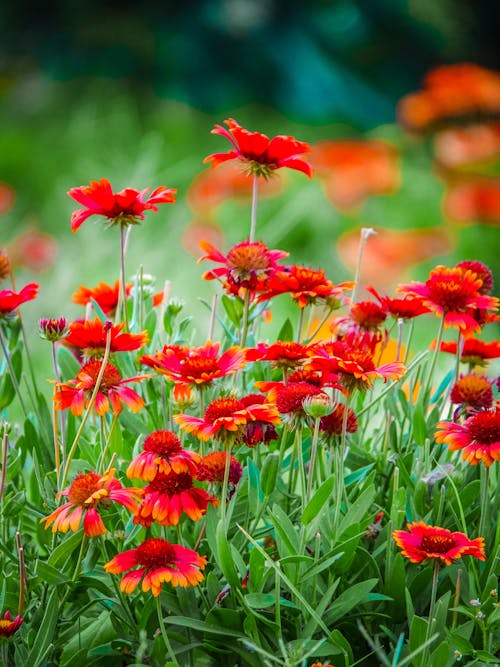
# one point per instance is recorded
(53, 329)
(317, 406)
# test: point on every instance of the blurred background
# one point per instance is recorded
(130, 92)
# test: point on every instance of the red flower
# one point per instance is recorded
(474, 200)
(106, 296)
(88, 492)
(452, 293)
(8, 627)
(282, 354)
(162, 452)
(91, 337)
(166, 497)
(472, 391)
(195, 366)
(260, 155)
(10, 301)
(423, 541)
(467, 145)
(305, 285)
(474, 351)
(227, 418)
(121, 208)
(404, 309)
(331, 425)
(256, 432)
(159, 562)
(247, 265)
(482, 272)
(213, 465)
(478, 437)
(75, 394)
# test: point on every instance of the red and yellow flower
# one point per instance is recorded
(422, 542)
(9, 626)
(282, 354)
(121, 208)
(259, 154)
(157, 561)
(478, 437)
(331, 425)
(227, 418)
(76, 394)
(106, 296)
(162, 453)
(90, 337)
(195, 366)
(403, 308)
(167, 496)
(472, 391)
(453, 293)
(10, 300)
(88, 493)
(474, 351)
(212, 468)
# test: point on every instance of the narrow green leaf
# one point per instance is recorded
(286, 331)
(350, 598)
(61, 553)
(202, 626)
(45, 632)
(315, 505)
(225, 558)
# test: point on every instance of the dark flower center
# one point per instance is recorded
(484, 427)
(171, 484)
(82, 487)
(164, 443)
(440, 544)
(291, 397)
(154, 553)
(222, 407)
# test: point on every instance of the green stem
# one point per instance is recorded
(164, 631)
(300, 324)
(12, 373)
(83, 546)
(485, 483)
(312, 460)
(430, 622)
(122, 297)
(253, 215)
(411, 327)
(458, 355)
(5, 654)
(428, 384)
(339, 468)
(246, 318)
(225, 483)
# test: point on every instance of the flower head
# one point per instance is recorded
(162, 452)
(282, 354)
(227, 418)
(88, 493)
(53, 329)
(453, 293)
(422, 541)
(75, 394)
(478, 437)
(482, 272)
(195, 366)
(167, 496)
(121, 208)
(331, 425)
(90, 337)
(258, 431)
(106, 296)
(403, 308)
(10, 301)
(157, 561)
(474, 351)
(212, 469)
(259, 154)
(248, 264)
(472, 391)
(9, 627)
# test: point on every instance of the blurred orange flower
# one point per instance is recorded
(474, 200)
(460, 146)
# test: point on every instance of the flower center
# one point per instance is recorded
(88, 375)
(452, 290)
(247, 257)
(484, 427)
(222, 407)
(474, 390)
(83, 486)
(367, 314)
(291, 397)
(164, 443)
(171, 484)
(199, 366)
(212, 468)
(155, 552)
(437, 543)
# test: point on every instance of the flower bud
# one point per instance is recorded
(318, 406)
(53, 329)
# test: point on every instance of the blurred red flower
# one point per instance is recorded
(473, 200)
(10, 300)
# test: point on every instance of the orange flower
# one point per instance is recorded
(10, 301)
(453, 293)
(478, 437)
(75, 394)
(459, 146)
(162, 452)
(331, 425)
(9, 627)
(159, 561)
(405, 309)
(121, 208)
(90, 337)
(212, 468)
(226, 418)
(106, 296)
(88, 492)
(194, 366)
(353, 170)
(423, 541)
(473, 200)
(167, 496)
(247, 264)
(482, 272)
(282, 354)
(474, 351)
(306, 286)
(472, 391)
(260, 155)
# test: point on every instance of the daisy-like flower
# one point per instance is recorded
(422, 542)
(256, 432)
(452, 294)
(162, 452)
(259, 154)
(88, 493)
(478, 437)
(306, 286)
(212, 468)
(166, 497)
(282, 354)
(482, 272)
(331, 425)
(227, 418)
(472, 391)
(121, 208)
(10, 300)
(106, 296)
(474, 199)
(75, 394)
(195, 366)
(248, 265)
(320, 664)
(90, 337)
(403, 308)
(157, 561)
(9, 626)
(474, 351)
(290, 401)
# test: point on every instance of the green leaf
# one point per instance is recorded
(50, 574)
(269, 472)
(358, 510)
(225, 558)
(287, 537)
(354, 595)
(7, 391)
(202, 626)
(441, 656)
(45, 632)
(315, 505)
(418, 635)
(254, 489)
(61, 553)
(233, 308)
(358, 475)
(420, 431)
(67, 363)
(286, 331)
